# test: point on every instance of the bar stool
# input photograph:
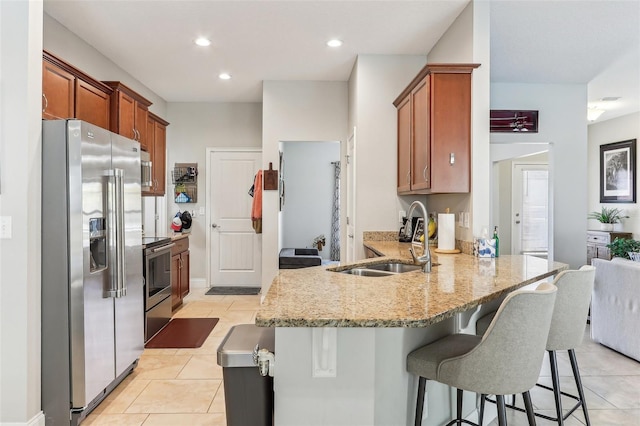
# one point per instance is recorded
(505, 360)
(566, 332)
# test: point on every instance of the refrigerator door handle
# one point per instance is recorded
(115, 222)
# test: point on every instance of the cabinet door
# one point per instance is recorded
(404, 145)
(184, 273)
(591, 253)
(92, 105)
(126, 116)
(158, 158)
(421, 140)
(603, 252)
(57, 92)
(176, 299)
(141, 114)
(451, 132)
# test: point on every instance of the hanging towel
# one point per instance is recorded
(256, 209)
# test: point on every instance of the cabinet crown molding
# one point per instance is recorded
(434, 69)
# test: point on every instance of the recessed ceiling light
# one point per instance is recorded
(610, 98)
(201, 41)
(224, 76)
(334, 43)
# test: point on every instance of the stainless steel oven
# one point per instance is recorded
(157, 283)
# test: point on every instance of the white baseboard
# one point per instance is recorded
(37, 420)
(196, 283)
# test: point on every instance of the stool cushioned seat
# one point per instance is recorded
(505, 360)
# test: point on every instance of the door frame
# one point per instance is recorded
(533, 165)
(208, 220)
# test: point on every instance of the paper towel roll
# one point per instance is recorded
(446, 231)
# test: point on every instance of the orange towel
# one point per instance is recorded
(256, 209)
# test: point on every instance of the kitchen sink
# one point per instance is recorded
(364, 272)
(398, 268)
(381, 269)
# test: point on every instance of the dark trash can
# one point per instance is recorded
(248, 395)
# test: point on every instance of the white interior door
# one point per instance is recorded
(235, 248)
(530, 209)
(351, 191)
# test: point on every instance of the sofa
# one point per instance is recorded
(295, 258)
(615, 305)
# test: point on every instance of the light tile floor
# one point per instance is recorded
(183, 387)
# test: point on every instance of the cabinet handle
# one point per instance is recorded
(409, 177)
(424, 173)
(46, 102)
(452, 158)
(135, 135)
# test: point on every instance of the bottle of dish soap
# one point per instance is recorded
(495, 237)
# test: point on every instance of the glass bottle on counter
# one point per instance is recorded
(495, 237)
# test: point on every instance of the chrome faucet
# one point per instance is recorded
(425, 259)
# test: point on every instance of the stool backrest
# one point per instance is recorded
(509, 357)
(571, 309)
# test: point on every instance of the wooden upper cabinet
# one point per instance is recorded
(58, 92)
(440, 130)
(404, 145)
(68, 92)
(129, 113)
(92, 105)
(156, 133)
(420, 146)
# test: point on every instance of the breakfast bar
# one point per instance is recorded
(342, 339)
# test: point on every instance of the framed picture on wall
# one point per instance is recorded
(618, 172)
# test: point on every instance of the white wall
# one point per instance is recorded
(563, 124)
(294, 111)
(194, 128)
(615, 130)
(376, 83)
(20, 179)
(309, 187)
(467, 41)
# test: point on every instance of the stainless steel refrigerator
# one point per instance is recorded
(92, 284)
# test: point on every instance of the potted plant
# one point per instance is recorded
(607, 217)
(621, 247)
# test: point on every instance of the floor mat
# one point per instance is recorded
(233, 290)
(183, 333)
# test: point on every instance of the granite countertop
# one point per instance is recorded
(179, 236)
(321, 297)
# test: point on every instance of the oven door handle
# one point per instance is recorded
(165, 247)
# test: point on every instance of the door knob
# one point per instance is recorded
(215, 225)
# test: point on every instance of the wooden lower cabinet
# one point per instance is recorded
(179, 271)
(597, 243)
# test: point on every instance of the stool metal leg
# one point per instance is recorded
(502, 411)
(529, 408)
(576, 376)
(556, 386)
(459, 395)
(482, 401)
(422, 382)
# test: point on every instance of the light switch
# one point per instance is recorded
(5, 227)
(201, 211)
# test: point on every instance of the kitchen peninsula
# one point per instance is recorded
(342, 339)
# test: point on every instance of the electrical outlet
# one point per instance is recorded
(465, 219)
(5, 227)
(401, 215)
(461, 219)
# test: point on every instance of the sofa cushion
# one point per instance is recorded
(615, 305)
